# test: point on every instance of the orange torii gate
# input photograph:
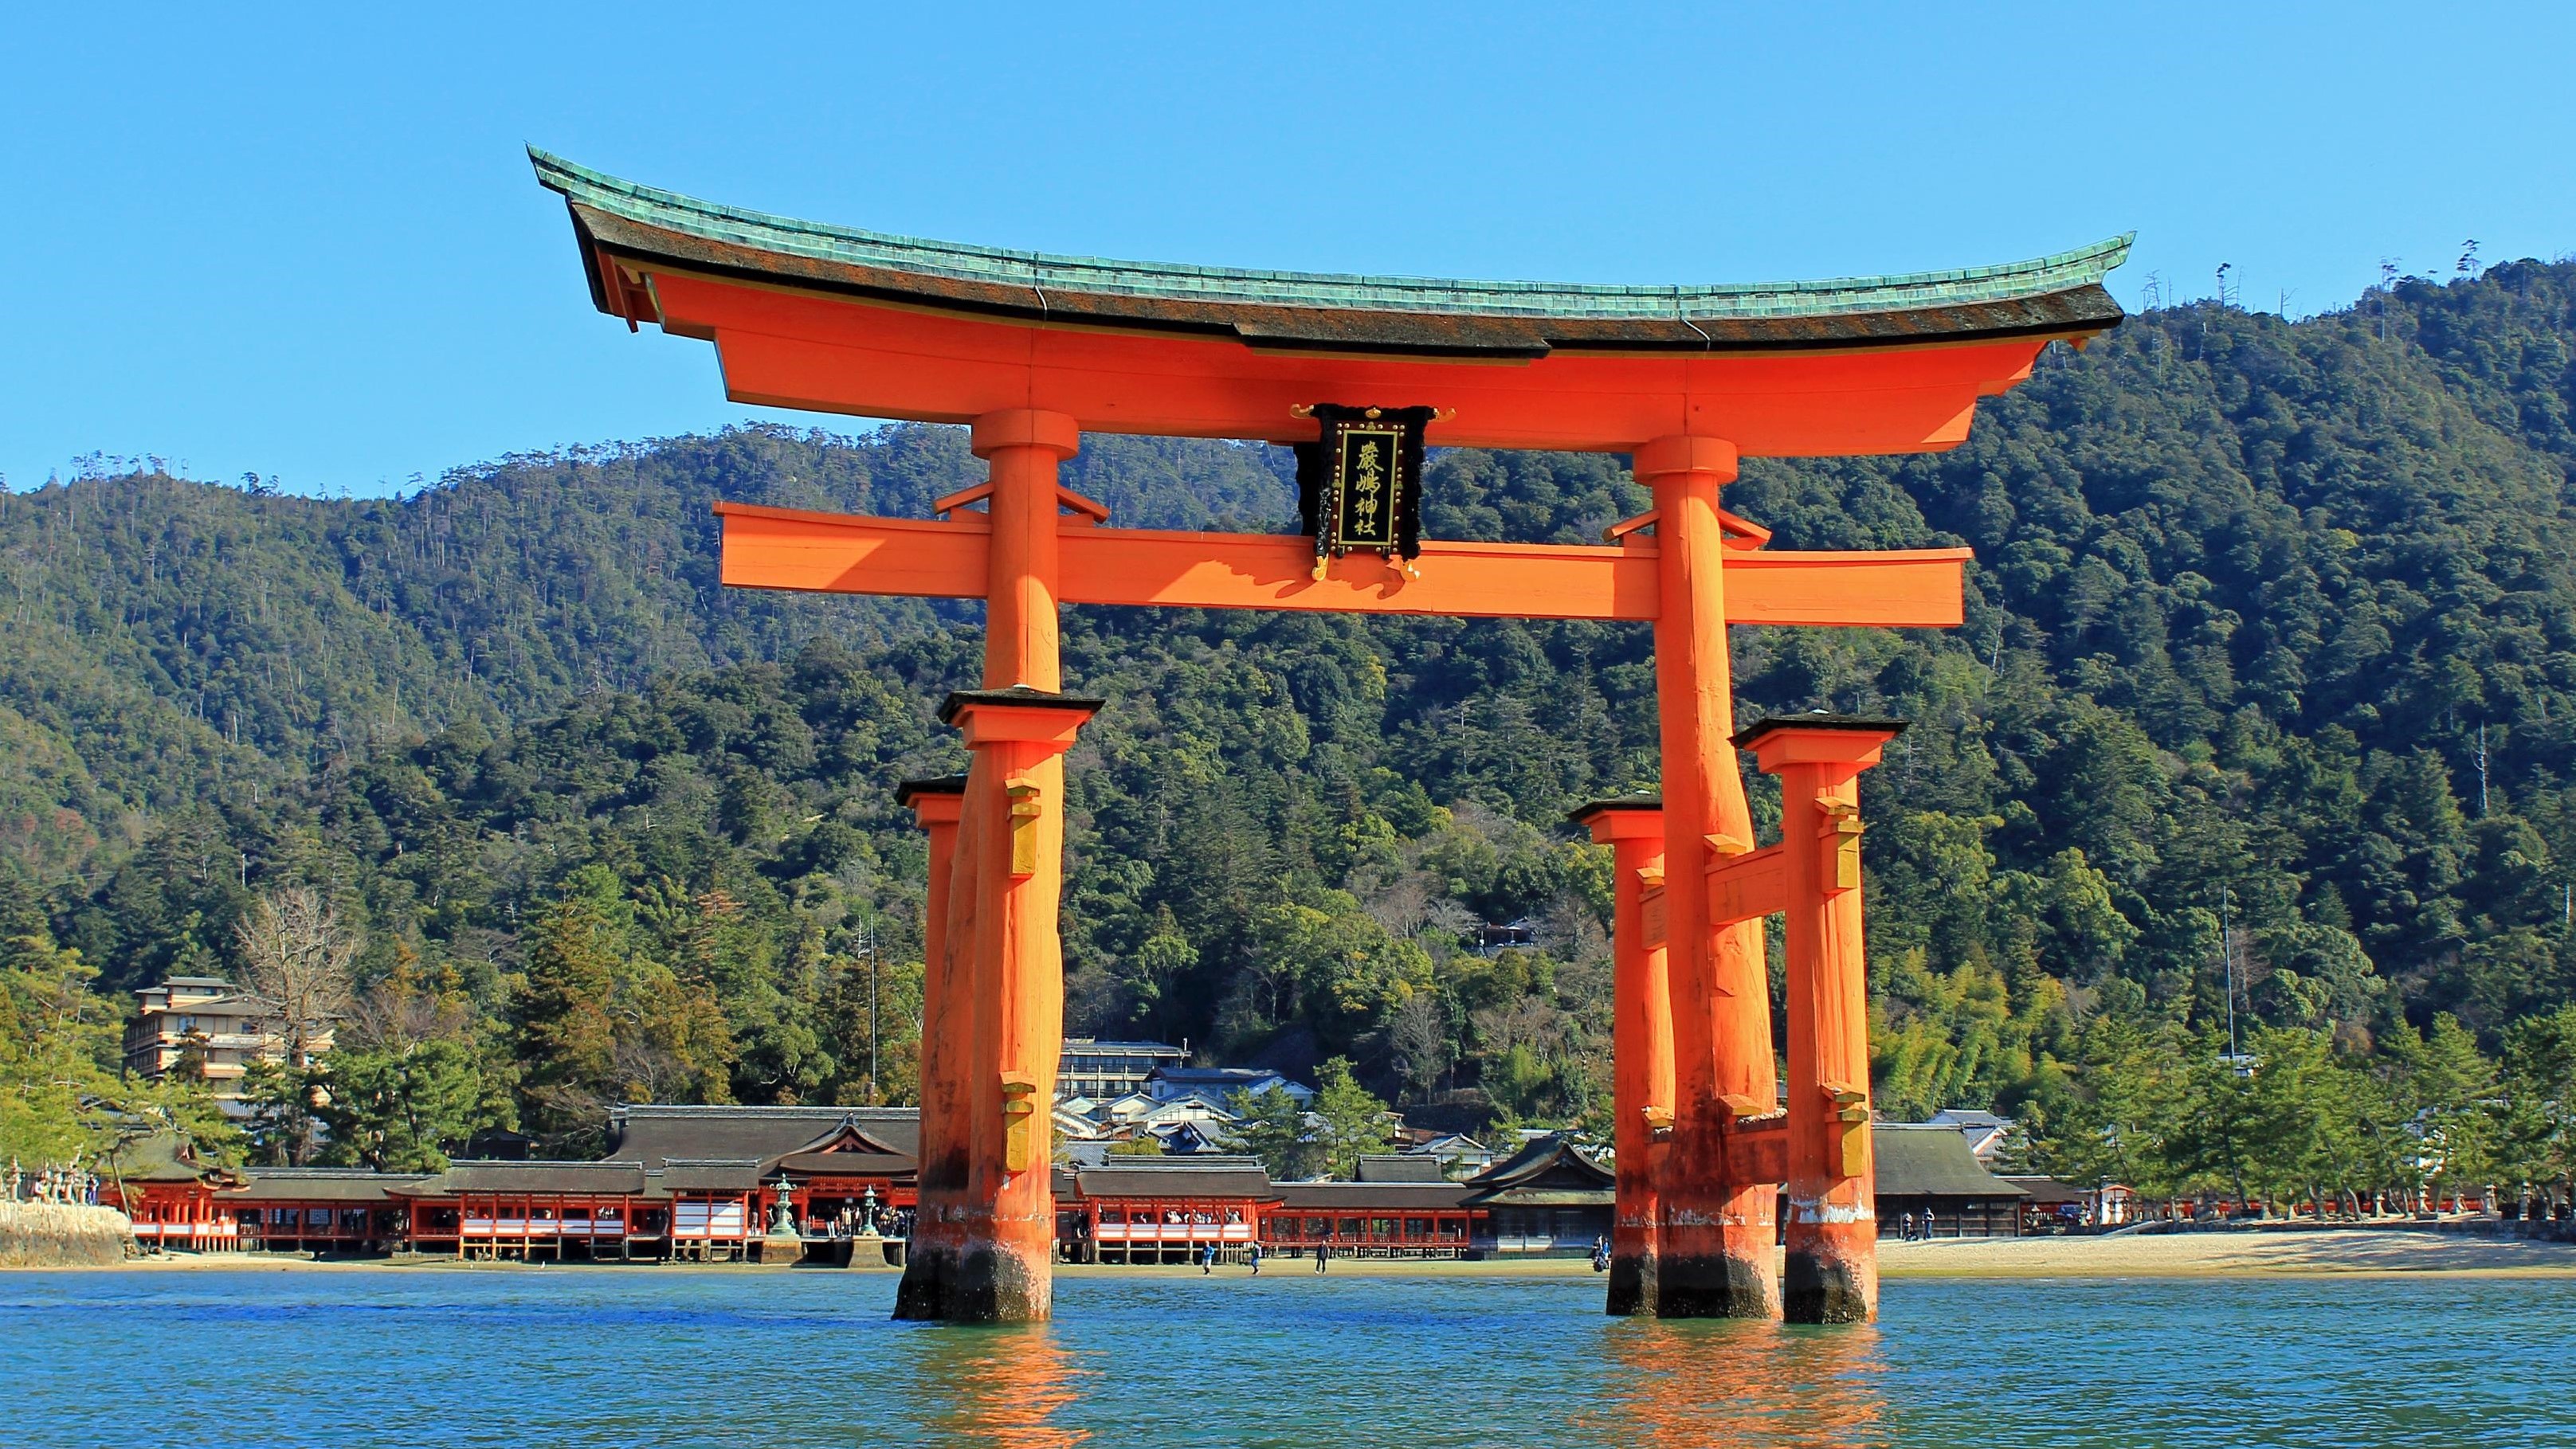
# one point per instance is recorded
(1031, 351)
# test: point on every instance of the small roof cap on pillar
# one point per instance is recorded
(1582, 813)
(1624, 817)
(1818, 720)
(906, 792)
(1018, 695)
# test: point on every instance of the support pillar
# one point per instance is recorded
(947, 1004)
(1831, 1272)
(1718, 1242)
(1641, 1051)
(984, 1226)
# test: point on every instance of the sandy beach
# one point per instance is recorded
(2254, 1253)
(2264, 1252)
(2271, 1252)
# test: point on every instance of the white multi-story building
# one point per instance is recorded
(203, 1021)
(1101, 1070)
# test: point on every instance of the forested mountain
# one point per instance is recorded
(2269, 672)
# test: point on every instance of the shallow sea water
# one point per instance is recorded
(571, 1356)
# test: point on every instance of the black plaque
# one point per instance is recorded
(1359, 485)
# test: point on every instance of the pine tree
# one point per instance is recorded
(1354, 1122)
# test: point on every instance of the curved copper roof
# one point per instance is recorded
(642, 228)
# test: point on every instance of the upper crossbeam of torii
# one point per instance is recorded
(1033, 350)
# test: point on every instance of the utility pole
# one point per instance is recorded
(2227, 960)
(868, 944)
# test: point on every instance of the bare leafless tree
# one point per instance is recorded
(1569, 930)
(297, 955)
(1527, 1021)
(1418, 1034)
(1453, 917)
(1398, 901)
(392, 1016)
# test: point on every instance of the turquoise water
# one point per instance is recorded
(547, 1357)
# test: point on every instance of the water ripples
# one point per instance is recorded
(662, 1356)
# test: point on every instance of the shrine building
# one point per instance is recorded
(702, 1184)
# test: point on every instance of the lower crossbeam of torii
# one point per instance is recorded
(1032, 351)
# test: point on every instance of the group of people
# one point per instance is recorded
(1252, 1255)
(1254, 1252)
(852, 1222)
(1913, 1232)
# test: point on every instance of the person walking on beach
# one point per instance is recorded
(1909, 1228)
(1256, 1260)
(1207, 1260)
(1323, 1255)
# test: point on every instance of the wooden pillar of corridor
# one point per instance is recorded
(984, 1231)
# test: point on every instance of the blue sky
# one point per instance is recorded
(307, 245)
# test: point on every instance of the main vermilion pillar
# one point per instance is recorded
(1641, 1050)
(1021, 448)
(1718, 1240)
(1831, 1274)
(1000, 1269)
(984, 1231)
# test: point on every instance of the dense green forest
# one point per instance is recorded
(2269, 677)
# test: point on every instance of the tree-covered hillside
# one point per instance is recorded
(2269, 674)
(174, 642)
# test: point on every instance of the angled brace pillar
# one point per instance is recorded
(1831, 1269)
(1641, 1042)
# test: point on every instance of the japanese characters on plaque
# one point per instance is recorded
(1359, 484)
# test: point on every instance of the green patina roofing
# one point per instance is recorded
(1915, 1159)
(648, 206)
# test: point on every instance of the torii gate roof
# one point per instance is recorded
(838, 319)
(2053, 295)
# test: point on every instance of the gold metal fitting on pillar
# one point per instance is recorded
(1019, 1123)
(1851, 1119)
(1026, 808)
(1840, 835)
